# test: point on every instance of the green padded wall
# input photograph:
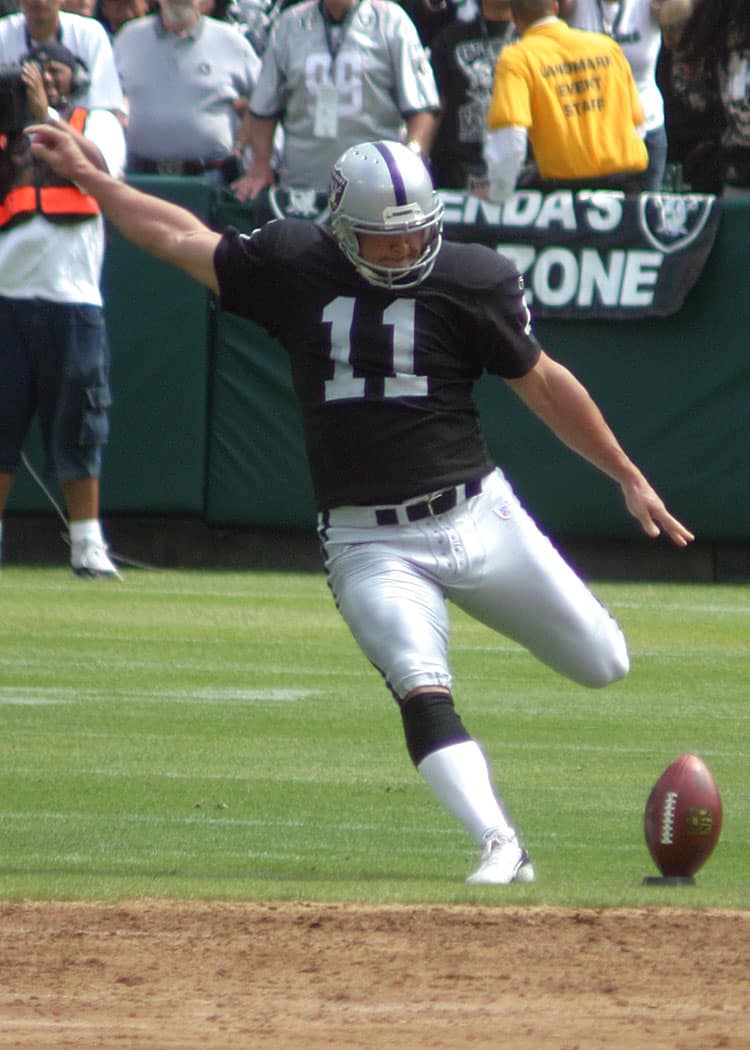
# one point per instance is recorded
(257, 472)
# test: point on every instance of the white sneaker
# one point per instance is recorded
(91, 559)
(503, 860)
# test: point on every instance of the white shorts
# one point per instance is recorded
(486, 555)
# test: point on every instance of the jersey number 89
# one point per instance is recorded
(346, 74)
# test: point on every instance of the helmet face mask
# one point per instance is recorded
(384, 189)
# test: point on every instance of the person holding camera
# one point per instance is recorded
(54, 353)
(42, 22)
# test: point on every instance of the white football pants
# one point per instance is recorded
(487, 556)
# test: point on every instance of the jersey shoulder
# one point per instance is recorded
(386, 9)
(225, 34)
(296, 15)
(286, 258)
(288, 240)
(473, 268)
(83, 28)
(134, 32)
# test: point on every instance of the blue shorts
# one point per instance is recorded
(54, 362)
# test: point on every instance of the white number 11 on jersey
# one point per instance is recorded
(399, 317)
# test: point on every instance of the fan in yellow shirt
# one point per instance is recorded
(571, 95)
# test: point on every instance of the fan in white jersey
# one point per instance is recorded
(335, 73)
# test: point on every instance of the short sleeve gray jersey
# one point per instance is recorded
(380, 72)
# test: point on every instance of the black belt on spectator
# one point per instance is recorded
(137, 165)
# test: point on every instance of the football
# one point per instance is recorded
(682, 820)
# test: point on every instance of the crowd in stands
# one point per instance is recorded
(253, 93)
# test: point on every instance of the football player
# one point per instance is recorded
(391, 327)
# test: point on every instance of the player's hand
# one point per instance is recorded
(55, 144)
(648, 508)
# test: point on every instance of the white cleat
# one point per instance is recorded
(91, 559)
(503, 860)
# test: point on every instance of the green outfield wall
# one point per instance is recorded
(204, 424)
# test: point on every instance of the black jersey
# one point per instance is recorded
(464, 56)
(383, 377)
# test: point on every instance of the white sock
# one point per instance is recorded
(90, 529)
(459, 777)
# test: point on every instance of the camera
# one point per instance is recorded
(14, 110)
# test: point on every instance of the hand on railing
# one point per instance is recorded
(256, 178)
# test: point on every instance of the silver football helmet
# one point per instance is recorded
(382, 188)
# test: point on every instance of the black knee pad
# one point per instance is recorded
(430, 722)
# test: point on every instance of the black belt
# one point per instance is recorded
(145, 166)
(440, 503)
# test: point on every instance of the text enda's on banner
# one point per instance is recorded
(594, 253)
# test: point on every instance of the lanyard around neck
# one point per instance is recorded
(335, 45)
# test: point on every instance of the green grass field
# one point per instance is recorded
(219, 735)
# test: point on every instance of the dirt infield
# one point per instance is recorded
(219, 976)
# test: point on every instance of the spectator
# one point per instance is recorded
(336, 72)
(719, 33)
(693, 113)
(113, 14)
(187, 79)
(635, 25)
(40, 21)
(463, 58)
(571, 95)
(55, 355)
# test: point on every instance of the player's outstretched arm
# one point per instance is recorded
(159, 227)
(563, 403)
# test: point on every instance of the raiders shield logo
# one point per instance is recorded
(672, 221)
(298, 204)
(339, 182)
